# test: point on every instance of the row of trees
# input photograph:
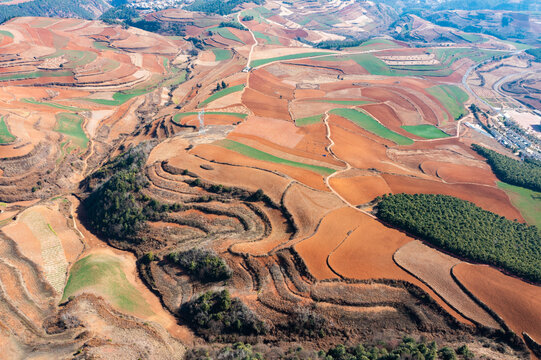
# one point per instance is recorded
(203, 265)
(520, 173)
(408, 348)
(466, 230)
(219, 7)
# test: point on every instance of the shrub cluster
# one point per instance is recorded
(204, 265)
(215, 314)
(520, 173)
(466, 230)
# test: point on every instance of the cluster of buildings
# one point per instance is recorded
(155, 5)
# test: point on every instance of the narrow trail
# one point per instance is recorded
(347, 168)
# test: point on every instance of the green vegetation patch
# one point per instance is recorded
(103, 274)
(452, 98)
(222, 93)
(425, 131)
(54, 105)
(221, 54)
(527, 201)
(178, 117)
(271, 40)
(256, 63)
(6, 33)
(101, 45)
(71, 125)
(5, 136)
(203, 265)
(36, 75)
(308, 120)
(261, 155)
(217, 314)
(370, 124)
(466, 230)
(515, 172)
(225, 33)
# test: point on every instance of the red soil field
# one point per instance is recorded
(455, 173)
(360, 189)
(333, 229)
(389, 118)
(517, 302)
(383, 94)
(223, 155)
(268, 84)
(266, 106)
(488, 198)
(308, 94)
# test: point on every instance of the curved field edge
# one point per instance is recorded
(370, 124)
(466, 230)
(261, 155)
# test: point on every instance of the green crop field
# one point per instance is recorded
(425, 131)
(35, 75)
(370, 124)
(256, 63)
(221, 54)
(5, 136)
(6, 33)
(452, 98)
(225, 33)
(222, 93)
(53, 105)
(528, 202)
(261, 155)
(103, 274)
(177, 117)
(271, 40)
(255, 14)
(71, 125)
(473, 38)
(308, 120)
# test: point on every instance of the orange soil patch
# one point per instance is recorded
(280, 132)
(308, 94)
(245, 36)
(266, 106)
(367, 253)
(434, 268)
(351, 141)
(334, 228)
(349, 67)
(517, 302)
(382, 94)
(488, 198)
(251, 179)
(30, 246)
(207, 56)
(457, 173)
(268, 84)
(210, 119)
(360, 189)
(223, 155)
(389, 118)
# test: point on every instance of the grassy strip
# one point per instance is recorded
(271, 40)
(103, 274)
(527, 201)
(466, 230)
(261, 155)
(120, 97)
(221, 54)
(54, 105)
(451, 97)
(71, 125)
(5, 136)
(425, 131)
(36, 75)
(221, 93)
(225, 33)
(6, 33)
(256, 63)
(370, 124)
(178, 117)
(308, 120)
